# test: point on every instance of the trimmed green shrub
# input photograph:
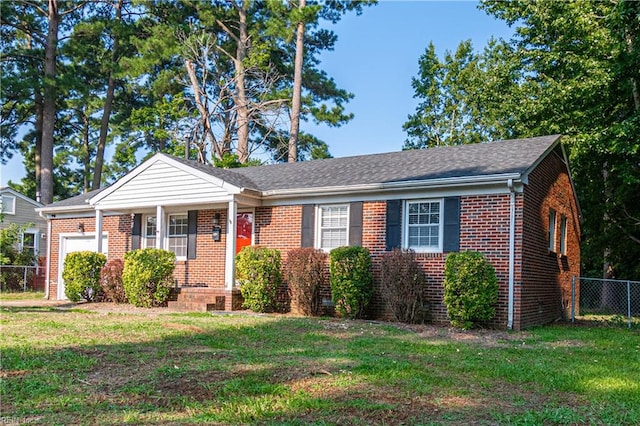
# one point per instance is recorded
(81, 275)
(111, 281)
(470, 289)
(258, 269)
(402, 283)
(147, 276)
(305, 275)
(351, 280)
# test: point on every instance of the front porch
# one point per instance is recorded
(205, 299)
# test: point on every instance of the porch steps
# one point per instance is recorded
(203, 299)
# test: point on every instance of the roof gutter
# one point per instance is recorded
(389, 186)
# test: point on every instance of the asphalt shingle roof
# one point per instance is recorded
(492, 158)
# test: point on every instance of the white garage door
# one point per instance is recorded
(73, 243)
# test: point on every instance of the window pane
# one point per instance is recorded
(178, 245)
(334, 221)
(423, 225)
(178, 225)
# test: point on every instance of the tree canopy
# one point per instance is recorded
(571, 68)
(91, 88)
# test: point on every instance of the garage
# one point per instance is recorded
(73, 243)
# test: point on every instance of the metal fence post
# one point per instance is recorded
(629, 302)
(24, 280)
(573, 299)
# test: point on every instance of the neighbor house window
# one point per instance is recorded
(333, 225)
(29, 243)
(552, 230)
(423, 230)
(150, 228)
(8, 204)
(563, 235)
(177, 235)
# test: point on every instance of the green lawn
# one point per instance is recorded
(20, 295)
(80, 367)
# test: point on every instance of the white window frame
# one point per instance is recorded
(8, 204)
(319, 228)
(553, 218)
(406, 226)
(185, 235)
(563, 235)
(36, 245)
(145, 235)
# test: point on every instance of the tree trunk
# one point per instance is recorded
(108, 106)
(38, 148)
(49, 104)
(297, 90)
(242, 109)
(86, 160)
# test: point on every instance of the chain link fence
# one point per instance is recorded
(605, 300)
(21, 278)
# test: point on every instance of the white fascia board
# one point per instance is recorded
(416, 192)
(452, 184)
(55, 211)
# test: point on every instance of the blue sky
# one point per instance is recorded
(375, 57)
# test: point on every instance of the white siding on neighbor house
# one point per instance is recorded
(25, 213)
(163, 184)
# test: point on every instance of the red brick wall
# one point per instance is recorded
(546, 282)
(484, 224)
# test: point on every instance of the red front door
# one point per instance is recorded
(244, 230)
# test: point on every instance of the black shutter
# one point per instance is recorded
(394, 224)
(192, 232)
(355, 224)
(451, 224)
(308, 225)
(136, 231)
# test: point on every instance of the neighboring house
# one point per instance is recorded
(512, 200)
(20, 209)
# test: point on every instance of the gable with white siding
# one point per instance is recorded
(163, 181)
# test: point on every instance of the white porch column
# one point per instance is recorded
(230, 258)
(160, 227)
(99, 223)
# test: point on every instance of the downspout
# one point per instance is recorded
(48, 264)
(512, 238)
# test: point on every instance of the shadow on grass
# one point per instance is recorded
(240, 370)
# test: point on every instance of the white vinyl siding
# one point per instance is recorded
(423, 226)
(159, 184)
(332, 226)
(178, 227)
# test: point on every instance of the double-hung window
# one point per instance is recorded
(552, 230)
(177, 235)
(333, 226)
(150, 228)
(563, 235)
(423, 230)
(29, 243)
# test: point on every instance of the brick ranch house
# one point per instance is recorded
(512, 200)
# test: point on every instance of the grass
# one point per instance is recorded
(80, 367)
(27, 295)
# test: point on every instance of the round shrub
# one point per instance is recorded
(111, 281)
(402, 283)
(258, 270)
(470, 289)
(81, 275)
(351, 280)
(305, 275)
(147, 276)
